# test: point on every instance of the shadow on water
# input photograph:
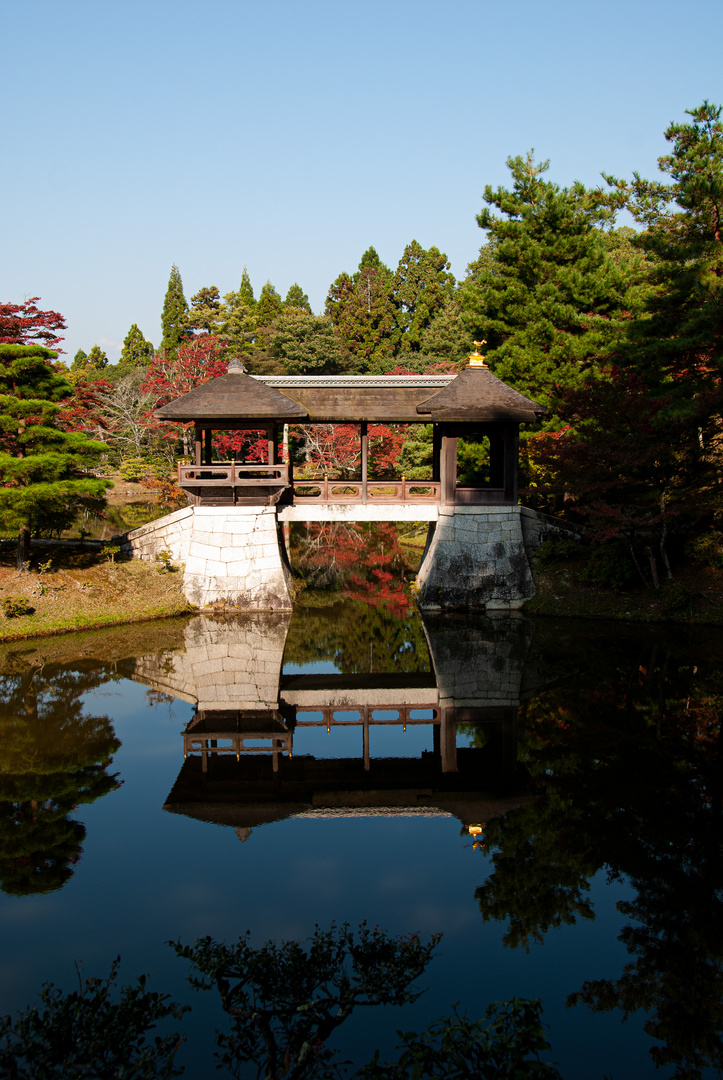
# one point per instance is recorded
(561, 748)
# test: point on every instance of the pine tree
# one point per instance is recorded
(679, 341)
(547, 296)
(206, 310)
(174, 319)
(297, 298)
(45, 472)
(421, 288)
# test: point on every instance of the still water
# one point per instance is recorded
(209, 776)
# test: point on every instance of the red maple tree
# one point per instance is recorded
(26, 324)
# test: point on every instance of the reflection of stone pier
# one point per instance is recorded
(242, 762)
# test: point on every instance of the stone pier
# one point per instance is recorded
(475, 558)
(235, 558)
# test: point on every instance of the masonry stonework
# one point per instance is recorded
(233, 558)
(475, 558)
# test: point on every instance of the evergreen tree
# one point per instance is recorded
(239, 326)
(301, 344)
(644, 451)
(174, 319)
(548, 297)
(206, 310)
(421, 288)
(245, 292)
(269, 306)
(136, 352)
(90, 366)
(297, 298)
(45, 472)
(447, 337)
(677, 346)
(361, 309)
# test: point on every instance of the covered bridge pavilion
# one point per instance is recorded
(474, 404)
(230, 536)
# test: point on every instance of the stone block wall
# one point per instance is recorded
(170, 533)
(233, 556)
(538, 527)
(476, 558)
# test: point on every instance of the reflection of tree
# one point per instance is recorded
(52, 759)
(365, 560)
(358, 638)
(630, 778)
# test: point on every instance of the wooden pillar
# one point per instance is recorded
(364, 432)
(198, 444)
(367, 756)
(436, 451)
(512, 454)
(271, 438)
(448, 471)
(448, 740)
(208, 447)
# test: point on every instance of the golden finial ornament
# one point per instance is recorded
(476, 359)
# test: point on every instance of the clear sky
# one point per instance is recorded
(288, 136)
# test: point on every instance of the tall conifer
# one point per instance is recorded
(174, 319)
(548, 298)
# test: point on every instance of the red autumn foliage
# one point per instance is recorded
(198, 360)
(84, 410)
(336, 448)
(26, 324)
(365, 561)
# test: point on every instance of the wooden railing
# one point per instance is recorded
(230, 474)
(316, 489)
(325, 490)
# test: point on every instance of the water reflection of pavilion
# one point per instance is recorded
(242, 766)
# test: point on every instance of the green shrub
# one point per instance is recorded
(706, 549)
(554, 551)
(164, 558)
(610, 566)
(14, 606)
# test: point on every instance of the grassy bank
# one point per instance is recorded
(564, 589)
(74, 588)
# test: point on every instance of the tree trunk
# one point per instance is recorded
(23, 548)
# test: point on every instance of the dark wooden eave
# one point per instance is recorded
(478, 395)
(234, 397)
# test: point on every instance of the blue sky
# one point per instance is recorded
(289, 136)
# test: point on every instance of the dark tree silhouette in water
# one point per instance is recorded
(53, 758)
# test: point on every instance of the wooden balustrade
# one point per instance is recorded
(324, 490)
(231, 474)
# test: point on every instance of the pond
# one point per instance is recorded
(546, 794)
